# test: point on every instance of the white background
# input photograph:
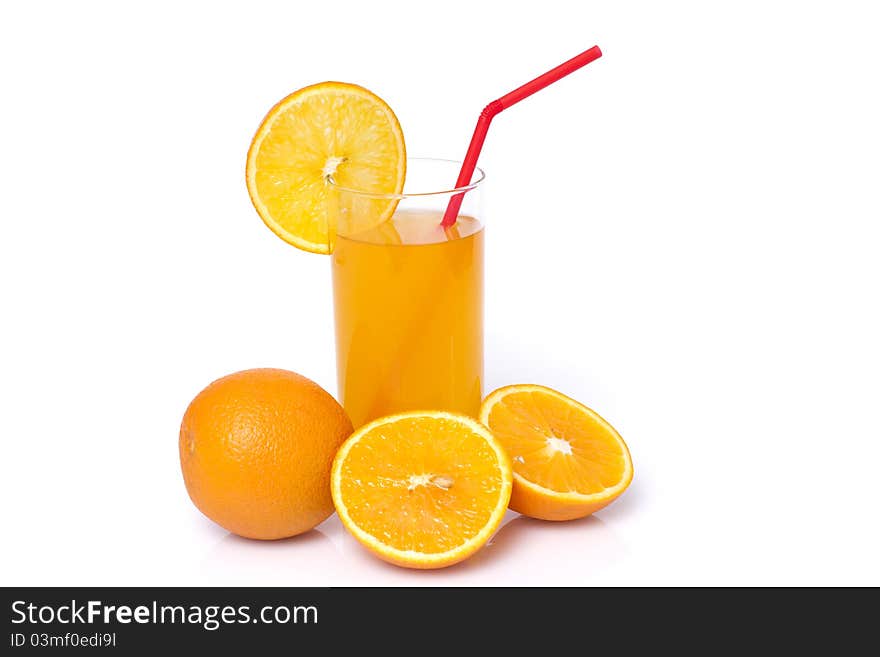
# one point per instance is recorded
(683, 235)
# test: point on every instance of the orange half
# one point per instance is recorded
(424, 489)
(568, 462)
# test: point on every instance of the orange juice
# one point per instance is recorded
(408, 301)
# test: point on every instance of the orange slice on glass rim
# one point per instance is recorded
(568, 462)
(424, 489)
(328, 132)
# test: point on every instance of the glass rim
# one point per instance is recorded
(478, 177)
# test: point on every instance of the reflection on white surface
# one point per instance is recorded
(568, 553)
(285, 561)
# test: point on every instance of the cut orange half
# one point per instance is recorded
(424, 489)
(567, 461)
(328, 131)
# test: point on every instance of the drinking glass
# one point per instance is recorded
(408, 295)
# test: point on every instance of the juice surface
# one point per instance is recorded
(408, 299)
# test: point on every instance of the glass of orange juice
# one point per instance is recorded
(408, 295)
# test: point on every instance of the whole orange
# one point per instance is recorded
(256, 449)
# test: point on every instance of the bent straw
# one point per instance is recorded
(491, 110)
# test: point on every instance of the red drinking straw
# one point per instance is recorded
(489, 112)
